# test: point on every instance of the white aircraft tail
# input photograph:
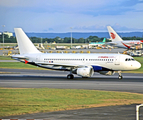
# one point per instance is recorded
(114, 36)
(24, 43)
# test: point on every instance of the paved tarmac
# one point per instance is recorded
(21, 78)
(57, 79)
(9, 61)
(123, 112)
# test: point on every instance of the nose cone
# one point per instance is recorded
(137, 65)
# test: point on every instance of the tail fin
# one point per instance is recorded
(114, 36)
(24, 43)
(104, 40)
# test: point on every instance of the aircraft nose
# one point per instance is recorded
(137, 65)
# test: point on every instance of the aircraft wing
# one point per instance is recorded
(111, 43)
(58, 64)
(62, 66)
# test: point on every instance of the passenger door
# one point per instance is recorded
(117, 60)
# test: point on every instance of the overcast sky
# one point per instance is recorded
(82, 15)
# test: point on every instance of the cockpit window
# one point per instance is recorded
(133, 59)
(129, 59)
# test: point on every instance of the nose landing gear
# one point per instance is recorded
(120, 76)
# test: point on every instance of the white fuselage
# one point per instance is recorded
(114, 62)
(125, 43)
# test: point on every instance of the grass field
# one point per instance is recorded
(18, 65)
(22, 101)
(5, 58)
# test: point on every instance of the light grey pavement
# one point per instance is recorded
(9, 61)
(57, 79)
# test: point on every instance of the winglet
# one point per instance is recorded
(104, 40)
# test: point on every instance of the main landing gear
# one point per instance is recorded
(120, 76)
(70, 76)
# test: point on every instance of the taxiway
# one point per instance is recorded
(21, 78)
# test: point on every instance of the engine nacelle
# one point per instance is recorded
(86, 71)
(107, 72)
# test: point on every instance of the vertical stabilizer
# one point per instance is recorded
(104, 40)
(24, 43)
(114, 36)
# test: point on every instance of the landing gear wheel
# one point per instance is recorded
(120, 77)
(70, 76)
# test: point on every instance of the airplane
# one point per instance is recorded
(83, 65)
(118, 42)
(97, 44)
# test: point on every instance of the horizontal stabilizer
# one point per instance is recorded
(19, 57)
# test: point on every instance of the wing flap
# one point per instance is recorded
(58, 64)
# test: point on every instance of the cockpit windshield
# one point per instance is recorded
(129, 59)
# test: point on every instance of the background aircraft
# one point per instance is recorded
(83, 65)
(99, 43)
(118, 42)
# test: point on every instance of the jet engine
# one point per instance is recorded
(86, 71)
(107, 72)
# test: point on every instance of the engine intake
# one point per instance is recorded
(86, 71)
